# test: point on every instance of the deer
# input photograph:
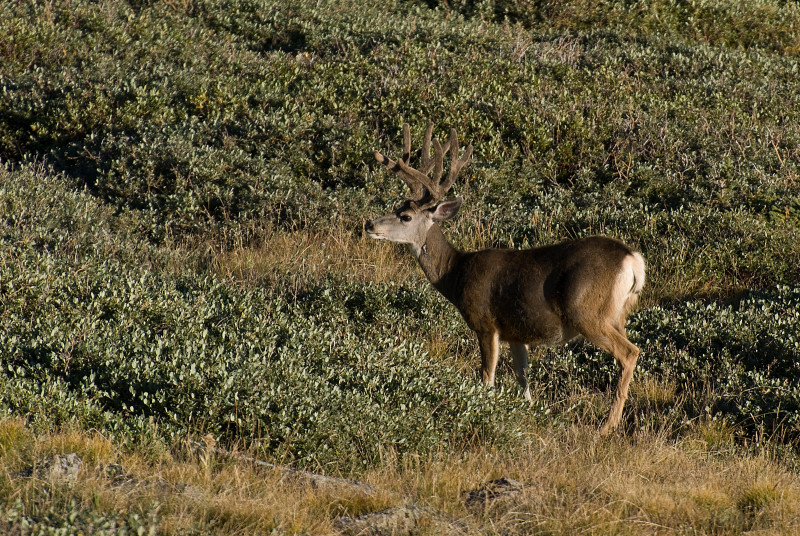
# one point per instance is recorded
(544, 296)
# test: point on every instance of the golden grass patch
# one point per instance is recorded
(315, 255)
(573, 482)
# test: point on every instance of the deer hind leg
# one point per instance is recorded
(490, 345)
(520, 353)
(613, 340)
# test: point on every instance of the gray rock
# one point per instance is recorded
(118, 476)
(65, 468)
(500, 490)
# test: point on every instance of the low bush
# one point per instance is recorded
(139, 139)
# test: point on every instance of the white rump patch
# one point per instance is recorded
(629, 283)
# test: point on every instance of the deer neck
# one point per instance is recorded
(438, 259)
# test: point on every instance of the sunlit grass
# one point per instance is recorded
(573, 481)
(314, 256)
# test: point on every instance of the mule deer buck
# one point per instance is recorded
(542, 296)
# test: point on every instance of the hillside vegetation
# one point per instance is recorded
(182, 191)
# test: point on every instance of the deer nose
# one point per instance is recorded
(368, 226)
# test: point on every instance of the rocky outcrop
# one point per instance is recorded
(59, 467)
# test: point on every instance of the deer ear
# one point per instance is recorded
(447, 209)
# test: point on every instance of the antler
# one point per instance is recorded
(427, 190)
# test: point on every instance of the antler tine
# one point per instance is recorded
(427, 163)
(439, 160)
(406, 143)
(420, 179)
(427, 189)
(456, 163)
(425, 159)
(418, 190)
(419, 183)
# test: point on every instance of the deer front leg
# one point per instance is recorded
(520, 353)
(489, 343)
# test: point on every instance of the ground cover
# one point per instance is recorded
(181, 196)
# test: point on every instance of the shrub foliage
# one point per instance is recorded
(128, 128)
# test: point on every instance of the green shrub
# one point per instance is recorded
(331, 374)
(129, 127)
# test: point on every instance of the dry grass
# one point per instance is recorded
(180, 490)
(576, 483)
(315, 255)
(640, 485)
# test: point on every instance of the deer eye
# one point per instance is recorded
(405, 217)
